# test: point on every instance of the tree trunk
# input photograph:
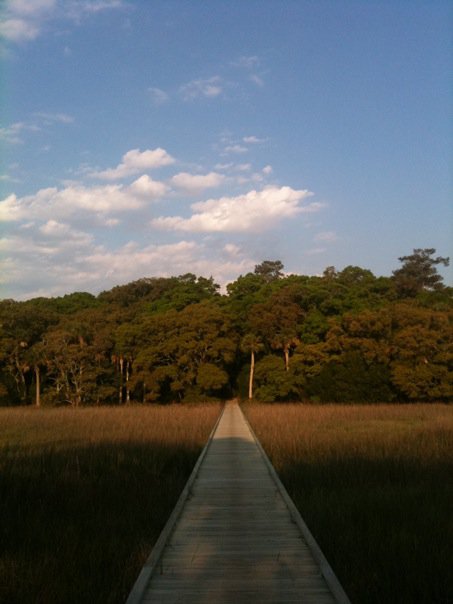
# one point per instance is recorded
(286, 351)
(252, 372)
(128, 394)
(120, 392)
(38, 386)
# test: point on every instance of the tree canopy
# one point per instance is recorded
(344, 336)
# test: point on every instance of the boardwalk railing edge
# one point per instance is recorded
(148, 568)
(331, 579)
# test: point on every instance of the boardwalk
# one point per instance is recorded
(236, 538)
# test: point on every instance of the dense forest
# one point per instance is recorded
(345, 336)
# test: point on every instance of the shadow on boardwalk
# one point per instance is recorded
(235, 539)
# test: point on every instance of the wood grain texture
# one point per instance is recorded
(235, 540)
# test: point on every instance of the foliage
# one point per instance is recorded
(419, 272)
(352, 380)
(274, 383)
(269, 270)
(344, 336)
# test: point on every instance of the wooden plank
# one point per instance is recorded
(235, 538)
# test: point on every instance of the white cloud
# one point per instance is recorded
(81, 202)
(18, 30)
(209, 88)
(107, 268)
(148, 187)
(94, 6)
(78, 10)
(158, 96)
(25, 20)
(50, 266)
(254, 211)
(231, 249)
(135, 161)
(195, 183)
(28, 8)
(253, 140)
(64, 234)
(12, 134)
(10, 209)
(235, 149)
(267, 169)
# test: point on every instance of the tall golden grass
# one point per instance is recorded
(84, 494)
(375, 485)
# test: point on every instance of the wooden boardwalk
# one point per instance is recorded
(235, 536)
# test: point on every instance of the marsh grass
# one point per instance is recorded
(375, 485)
(85, 493)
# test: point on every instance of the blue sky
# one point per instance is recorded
(157, 138)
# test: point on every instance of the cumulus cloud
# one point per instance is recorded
(254, 211)
(135, 161)
(146, 186)
(51, 265)
(132, 261)
(64, 235)
(232, 249)
(267, 169)
(81, 202)
(209, 88)
(195, 183)
(10, 209)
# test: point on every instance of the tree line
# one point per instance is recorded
(345, 336)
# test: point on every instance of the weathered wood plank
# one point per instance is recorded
(235, 538)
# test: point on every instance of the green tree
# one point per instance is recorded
(419, 272)
(277, 322)
(351, 379)
(269, 270)
(179, 351)
(422, 353)
(22, 326)
(77, 354)
(275, 383)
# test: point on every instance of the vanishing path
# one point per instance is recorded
(235, 536)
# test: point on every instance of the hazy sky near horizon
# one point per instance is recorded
(158, 138)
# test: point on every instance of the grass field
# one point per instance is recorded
(375, 485)
(85, 493)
